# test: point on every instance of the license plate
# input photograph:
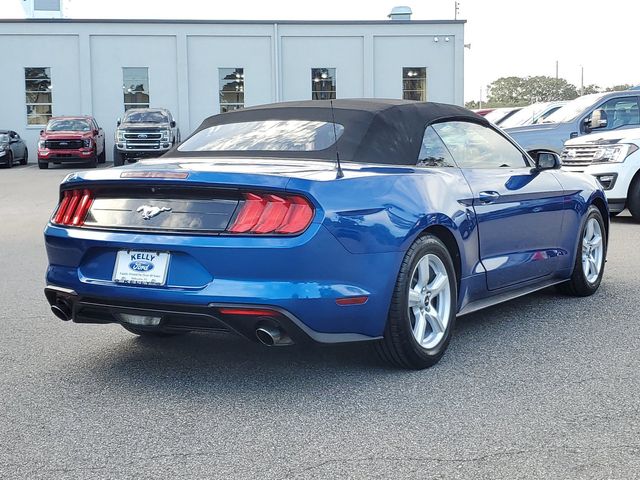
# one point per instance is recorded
(141, 267)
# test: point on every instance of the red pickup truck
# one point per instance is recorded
(71, 140)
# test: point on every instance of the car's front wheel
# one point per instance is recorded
(590, 257)
(423, 307)
(633, 199)
(118, 159)
(9, 160)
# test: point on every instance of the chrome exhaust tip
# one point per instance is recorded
(272, 336)
(61, 311)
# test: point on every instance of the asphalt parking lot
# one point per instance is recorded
(546, 386)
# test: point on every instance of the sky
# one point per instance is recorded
(507, 37)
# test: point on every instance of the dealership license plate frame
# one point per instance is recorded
(123, 274)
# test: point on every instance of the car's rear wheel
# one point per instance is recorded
(423, 307)
(25, 158)
(142, 332)
(590, 257)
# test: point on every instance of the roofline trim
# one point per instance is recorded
(228, 22)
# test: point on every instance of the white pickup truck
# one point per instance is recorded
(613, 157)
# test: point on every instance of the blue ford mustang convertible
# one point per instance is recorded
(343, 221)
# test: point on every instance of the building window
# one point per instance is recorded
(323, 83)
(414, 83)
(47, 5)
(231, 82)
(37, 82)
(135, 85)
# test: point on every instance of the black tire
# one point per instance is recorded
(43, 165)
(118, 159)
(9, 160)
(102, 158)
(25, 159)
(144, 332)
(578, 285)
(633, 199)
(399, 346)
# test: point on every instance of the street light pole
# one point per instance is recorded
(581, 79)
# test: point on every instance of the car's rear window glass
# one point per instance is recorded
(272, 135)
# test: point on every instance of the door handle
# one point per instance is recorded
(488, 196)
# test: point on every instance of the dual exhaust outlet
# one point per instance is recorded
(268, 335)
(62, 310)
(272, 336)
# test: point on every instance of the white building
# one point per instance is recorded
(199, 68)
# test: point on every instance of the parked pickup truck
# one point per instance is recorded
(144, 133)
(71, 140)
(582, 116)
(614, 159)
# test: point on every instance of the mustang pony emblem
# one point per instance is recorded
(149, 212)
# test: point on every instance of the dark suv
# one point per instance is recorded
(144, 133)
(12, 149)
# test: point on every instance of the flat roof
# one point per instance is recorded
(232, 22)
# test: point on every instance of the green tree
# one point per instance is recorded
(520, 91)
(472, 104)
(618, 88)
(589, 89)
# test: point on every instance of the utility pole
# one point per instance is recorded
(581, 79)
(556, 69)
(457, 10)
(480, 101)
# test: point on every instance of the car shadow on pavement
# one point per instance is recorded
(228, 363)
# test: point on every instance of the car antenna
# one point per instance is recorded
(339, 173)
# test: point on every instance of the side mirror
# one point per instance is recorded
(118, 122)
(545, 160)
(598, 119)
(96, 132)
(41, 132)
(173, 124)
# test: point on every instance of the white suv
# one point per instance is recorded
(613, 157)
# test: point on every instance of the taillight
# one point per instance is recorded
(267, 213)
(73, 208)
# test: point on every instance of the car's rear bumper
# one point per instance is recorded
(303, 277)
(175, 318)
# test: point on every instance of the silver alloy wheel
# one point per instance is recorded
(429, 301)
(592, 251)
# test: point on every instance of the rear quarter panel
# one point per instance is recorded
(386, 211)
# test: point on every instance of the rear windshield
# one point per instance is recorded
(271, 135)
(71, 125)
(146, 117)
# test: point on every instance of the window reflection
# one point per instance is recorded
(323, 83)
(282, 135)
(231, 83)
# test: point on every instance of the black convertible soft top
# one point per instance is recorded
(375, 130)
